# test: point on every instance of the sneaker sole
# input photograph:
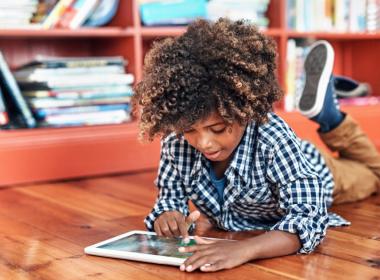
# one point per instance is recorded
(318, 67)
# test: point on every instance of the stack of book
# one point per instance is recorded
(252, 10)
(76, 91)
(17, 13)
(334, 15)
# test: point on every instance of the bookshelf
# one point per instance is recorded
(62, 153)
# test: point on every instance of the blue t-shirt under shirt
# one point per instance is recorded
(219, 184)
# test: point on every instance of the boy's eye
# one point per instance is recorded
(218, 129)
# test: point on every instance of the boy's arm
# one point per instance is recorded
(300, 195)
(213, 256)
(171, 196)
(272, 244)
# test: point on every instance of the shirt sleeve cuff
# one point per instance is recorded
(164, 206)
(311, 231)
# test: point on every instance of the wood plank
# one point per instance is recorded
(137, 188)
(317, 266)
(83, 201)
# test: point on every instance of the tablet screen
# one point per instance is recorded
(147, 244)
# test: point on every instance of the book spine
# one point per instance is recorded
(83, 9)
(67, 16)
(14, 91)
(42, 113)
(103, 92)
(110, 117)
(81, 63)
(54, 16)
(40, 73)
(42, 103)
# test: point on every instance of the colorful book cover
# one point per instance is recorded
(78, 13)
(172, 12)
(103, 13)
(10, 88)
(56, 13)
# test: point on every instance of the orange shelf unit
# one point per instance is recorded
(52, 154)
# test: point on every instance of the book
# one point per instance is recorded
(72, 62)
(43, 113)
(78, 13)
(82, 81)
(30, 73)
(90, 93)
(4, 119)
(103, 13)
(44, 7)
(40, 103)
(11, 89)
(56, 13)
(172, 12)
(91, 118)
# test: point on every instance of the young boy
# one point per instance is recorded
(209, 95)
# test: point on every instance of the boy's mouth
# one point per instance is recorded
(212, 155)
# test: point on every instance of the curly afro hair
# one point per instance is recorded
(221, 66)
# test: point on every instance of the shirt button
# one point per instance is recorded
(188, 190)
(200, 202)
(194, 196)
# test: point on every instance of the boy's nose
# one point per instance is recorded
(204, 144)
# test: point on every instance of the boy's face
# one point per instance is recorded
(215, 139)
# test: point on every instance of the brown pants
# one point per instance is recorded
(356, 170)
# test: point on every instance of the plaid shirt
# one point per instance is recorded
(279, 183)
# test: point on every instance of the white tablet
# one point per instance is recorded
(142, 246)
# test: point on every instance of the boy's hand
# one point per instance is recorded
(212, 255)
(174, 223)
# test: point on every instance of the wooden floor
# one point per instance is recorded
(44, 228)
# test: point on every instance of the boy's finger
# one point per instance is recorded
(201, 240)
(165, 228)
(157, 228)
(174, 227)
(183, 228)
(193, 216)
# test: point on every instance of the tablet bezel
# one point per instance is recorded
(94, 250)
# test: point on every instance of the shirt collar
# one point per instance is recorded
(243, 157)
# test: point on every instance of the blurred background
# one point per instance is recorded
(68, 67)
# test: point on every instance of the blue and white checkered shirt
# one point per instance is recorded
(284, 184)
